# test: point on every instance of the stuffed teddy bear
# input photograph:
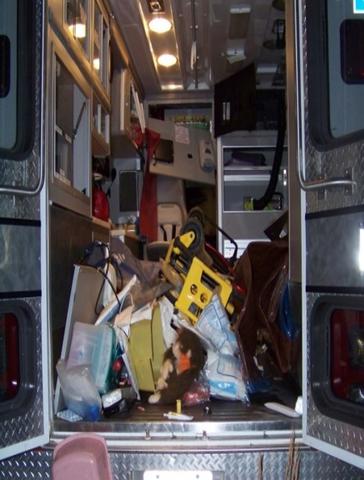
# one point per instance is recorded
(182, 364)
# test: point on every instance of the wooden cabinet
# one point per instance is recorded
(234, 102)
(83, 27)
(79, 105)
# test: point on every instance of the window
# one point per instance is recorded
(17, 78)
(335, 48)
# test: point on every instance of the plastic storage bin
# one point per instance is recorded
(81, 457)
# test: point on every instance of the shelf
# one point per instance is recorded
(253, 178)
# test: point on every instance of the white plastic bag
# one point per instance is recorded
(79, 392)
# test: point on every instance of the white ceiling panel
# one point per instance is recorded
(225, 42)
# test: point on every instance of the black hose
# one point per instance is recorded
(261, 203)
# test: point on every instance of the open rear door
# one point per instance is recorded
(24, 418)
(330, 116)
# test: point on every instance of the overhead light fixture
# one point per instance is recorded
(167, 60)
(172, 86)
(156, 6)
(160, 25)
(164, 48)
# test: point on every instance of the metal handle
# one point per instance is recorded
(317, 184)
(29, 192)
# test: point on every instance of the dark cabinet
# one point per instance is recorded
(242, 105)
(234, 102)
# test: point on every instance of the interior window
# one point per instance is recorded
(16, 78)
(335, 52)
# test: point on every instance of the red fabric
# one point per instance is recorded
(100, 204)
(148, 221)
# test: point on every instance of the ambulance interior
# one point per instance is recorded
(215, 114)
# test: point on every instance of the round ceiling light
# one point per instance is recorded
(160, 25)
(167, 60)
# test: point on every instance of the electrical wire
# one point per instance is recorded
(261, 203)
(111, 285)
(99, 269)
(102, 287)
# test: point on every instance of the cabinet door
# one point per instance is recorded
(20, 109)
(24, 419)
(69, 101)
(235, 102)
(330, 86)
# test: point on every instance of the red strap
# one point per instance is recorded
(148, 220)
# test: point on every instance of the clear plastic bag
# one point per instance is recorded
(198, 393)
(79, 392)
(224, 367)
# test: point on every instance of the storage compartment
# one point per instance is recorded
(246, 161)
(246, 175)
(215, 419)
(242, 185)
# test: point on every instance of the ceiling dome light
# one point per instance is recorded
(160, 25)
(179, 86)
(167, 60)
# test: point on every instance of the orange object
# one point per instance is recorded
(184, 363)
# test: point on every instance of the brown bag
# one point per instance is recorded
(263, 271)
